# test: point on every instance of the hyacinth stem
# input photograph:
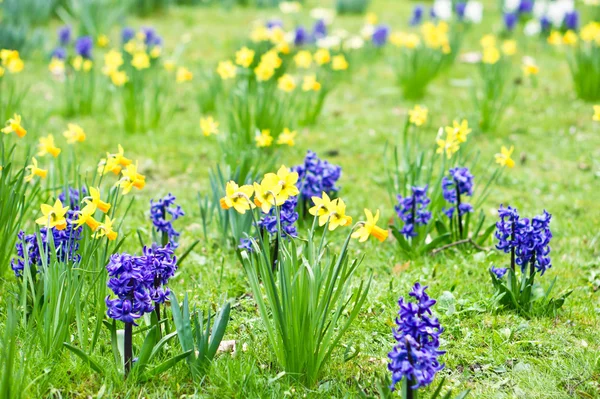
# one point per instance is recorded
(157, 309)
(460, 227)
(532, 264)
(512, 248)
(128, 347)
(414, 210)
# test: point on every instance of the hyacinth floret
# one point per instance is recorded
(412, 210)
(415, 355)
(84, 46)
(287, 218)
(459, 182)
(159, 264)
(162, 209)
(316, 176)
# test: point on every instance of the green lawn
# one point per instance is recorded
(496, 355)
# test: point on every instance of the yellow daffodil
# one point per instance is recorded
(56, 66)
(237, 197)
(95, 202)
(74, 134)
(491, 55)
(436, 36)
(14, 125)
(290, 7)
(53, 216)
(46, 146)
(102, 41)
(459, 130)
(509, 47)
(114, 162)
(591, 32)
(244, 57)
(570, 38)
(183, 75)
(2, 71)
(112, 61)
(303, 59)
(370, 228)
(119, 78)
(264, 72)
(81, 64)
(11, 61)
(287, 137)
(339, 63)
(156, 52)
(488, 41)
(287, 181)
(337, 215)
(555, 38)
(271, 59)
(418, 115)
(309, 83)
(259, 34)
(321, 208)
(596, 116)
(450, 145)
(266, 194)
(397, 38)
(286, 83)
(140, 60)
(504, 157)
(86, 216)
(529, 68)
(105, 229)
(34, 170)
(371, 18)
(131, 178)
(169, 65)
(322, 56)
(264, 139)
(209, 126)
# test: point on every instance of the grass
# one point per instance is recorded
(495, 355)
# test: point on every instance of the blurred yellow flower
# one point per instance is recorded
(287, 137)
(11, 60)
(74, 134)
(209, 126)
(226, 70)
(303, 59)
(370, 228)
(264, 71)
(371, 18)
(596, 116)
(272, 59)
(491, 55)
(264, 139)
(56, 66)
(169, 65)
(504, 157)
(309, 83)
(570, 38)
(418, 115)
(140, 60)
(450, 145)
(509, 47)
(339, 63)
(488, 41)
(259, 34)
(102, 41)
(244, 57)
(459, 131)
(156, 52)
(237, 197)
(119, 78)
(1, 71)
(112, 61)
(46, 146)
(79, 63)
(322, 56)
(14, 125)
(555, 38)
(183, 75)
(286, 83)
(530, 68)
(34, 170)
(53, 216)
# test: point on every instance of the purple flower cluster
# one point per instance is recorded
(64, 34)
(380, 35)
(510, 21)
(499, 271)
(84, 46)
(415, 355)
(460, 8)
(287, 217)
(138, 281)
(151, 38)
(417, 15)
(127, 34)
(66, 242)
(303, 36)
(528, 239)
(412, 210)
(316, 176)
(158, 214)
(458, 183)
(571, 20)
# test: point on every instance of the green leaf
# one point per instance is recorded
(85, 357)
(146, 350)
(164, 366)
(218, 331)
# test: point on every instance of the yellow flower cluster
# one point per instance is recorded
(13, 125)
(113, 60)
(436, 36)
(589, 34)
(10, 61)
(418, 115)
(491, 54)
(503, 158)
(455, 136)
(264, 138)
(117, 163)
(273, 190)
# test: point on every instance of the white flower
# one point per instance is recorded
(443, 9)
(341, 33)
(532, 28)
(354, 43)
(367, 31)
(540, 8)
(474, 12)
(290, 7)
(326, 14)
(329, 42)
(511, 5)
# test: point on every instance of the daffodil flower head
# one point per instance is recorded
(418, 115)
(322, 56)
(183, 75)
(46, 146)
(53, 216)
(34, 170)
(303, 59)
(309, 83)
(105, 229)
(459, 130)
(74, 134)
(504, 157)
(237, 197)
(267, 193)
(131, 178)
(339, 63)
(244, 57)
(287, 180)
(96, 202)
(86, 216)
(287, 137)
(370, 228)
(337, 216)
(322, 207)
(450, 145)
(209, 126)
(264, 139)
(14, 125)
(596, 116)
(286, 83)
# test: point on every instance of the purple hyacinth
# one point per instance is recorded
(380, 35)
(162, 209)
(417, 15)
(151, 38)
(412, 210)
(510, 21)
(127, 34)
(301, 36)
(245, 245)
(84, 46)
(64, 35)
(460, 10)
(316, 176)
(159, 264)
(60, 53)
(287, 217)
(571, 20)
(415, 355)
(319, 29)
(545, 23)
(499, 271)
(274, 23)
(525, 7)
(528, 241)
(458, 183)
